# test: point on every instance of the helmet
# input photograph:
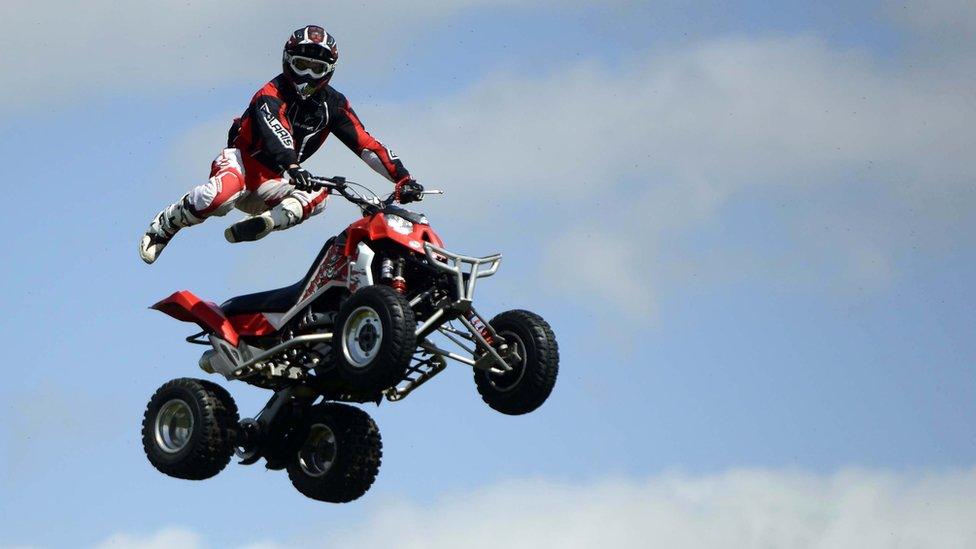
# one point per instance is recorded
(309, 59)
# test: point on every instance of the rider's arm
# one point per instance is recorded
(268, 113)
(348, 128)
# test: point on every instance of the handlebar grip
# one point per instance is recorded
(337, 181)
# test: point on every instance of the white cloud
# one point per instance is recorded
(166, 538)
(740, 509)
(170, 538)
(749, 508)
(62, 51)
(70, 50)
(659, 149)
(719, 116)
(604, 265)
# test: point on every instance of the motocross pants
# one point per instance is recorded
(243, 183)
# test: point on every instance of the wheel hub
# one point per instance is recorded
(362, 336)
(367, 338)
(173, 426)
(318, 453)
(249, 441)
(516, 360)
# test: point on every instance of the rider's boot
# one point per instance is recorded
(287, 213)
(165, 225)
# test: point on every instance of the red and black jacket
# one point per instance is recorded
(279, 129)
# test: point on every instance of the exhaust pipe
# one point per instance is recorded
(206, 359)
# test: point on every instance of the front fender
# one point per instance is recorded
(375, 228)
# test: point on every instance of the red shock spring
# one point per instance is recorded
(400, 285)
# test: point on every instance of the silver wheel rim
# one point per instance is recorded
(318, 453)
(174, 426)
(509, 380)
(362, 335)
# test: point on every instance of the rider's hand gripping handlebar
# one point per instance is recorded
(367, 203)
(408, 190)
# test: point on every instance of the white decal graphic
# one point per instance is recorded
(276, 127)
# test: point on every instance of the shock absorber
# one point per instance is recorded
(480, 326)
(386, 270)
(399, 283)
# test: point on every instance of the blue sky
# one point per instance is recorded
(750, 227)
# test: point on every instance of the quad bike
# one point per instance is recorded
(359, 327)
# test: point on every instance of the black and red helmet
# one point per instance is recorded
(309, 59)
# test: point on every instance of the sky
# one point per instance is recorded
(749, 224)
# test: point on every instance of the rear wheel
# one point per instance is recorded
(534, 364)
(189, 428)
(340, 455)
(375, 327)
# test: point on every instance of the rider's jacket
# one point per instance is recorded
(279, 129)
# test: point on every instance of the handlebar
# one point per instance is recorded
(340, 185)
(329, 182)
(368, 204)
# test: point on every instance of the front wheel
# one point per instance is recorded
(534, 364)
(340, 455)
(189, 429)
(376, 338)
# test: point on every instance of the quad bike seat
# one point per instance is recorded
(275, 301)
(271, 301)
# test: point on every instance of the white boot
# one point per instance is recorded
(162, 229)
(287, 213)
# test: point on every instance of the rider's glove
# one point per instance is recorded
(301, 179)
(407, 190)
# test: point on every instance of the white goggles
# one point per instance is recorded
(306, 66)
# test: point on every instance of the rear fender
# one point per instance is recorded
(185, 306)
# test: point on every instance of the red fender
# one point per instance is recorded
(375, 228)
(187, 307)
(252, 324)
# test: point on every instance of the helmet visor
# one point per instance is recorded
(306, 66)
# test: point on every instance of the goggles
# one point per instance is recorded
(306, 66)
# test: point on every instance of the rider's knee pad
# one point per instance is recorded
(287, 213)
(217, 196)
(226, 206)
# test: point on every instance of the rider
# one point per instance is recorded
(287, 121)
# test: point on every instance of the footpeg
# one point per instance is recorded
(417, 374)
